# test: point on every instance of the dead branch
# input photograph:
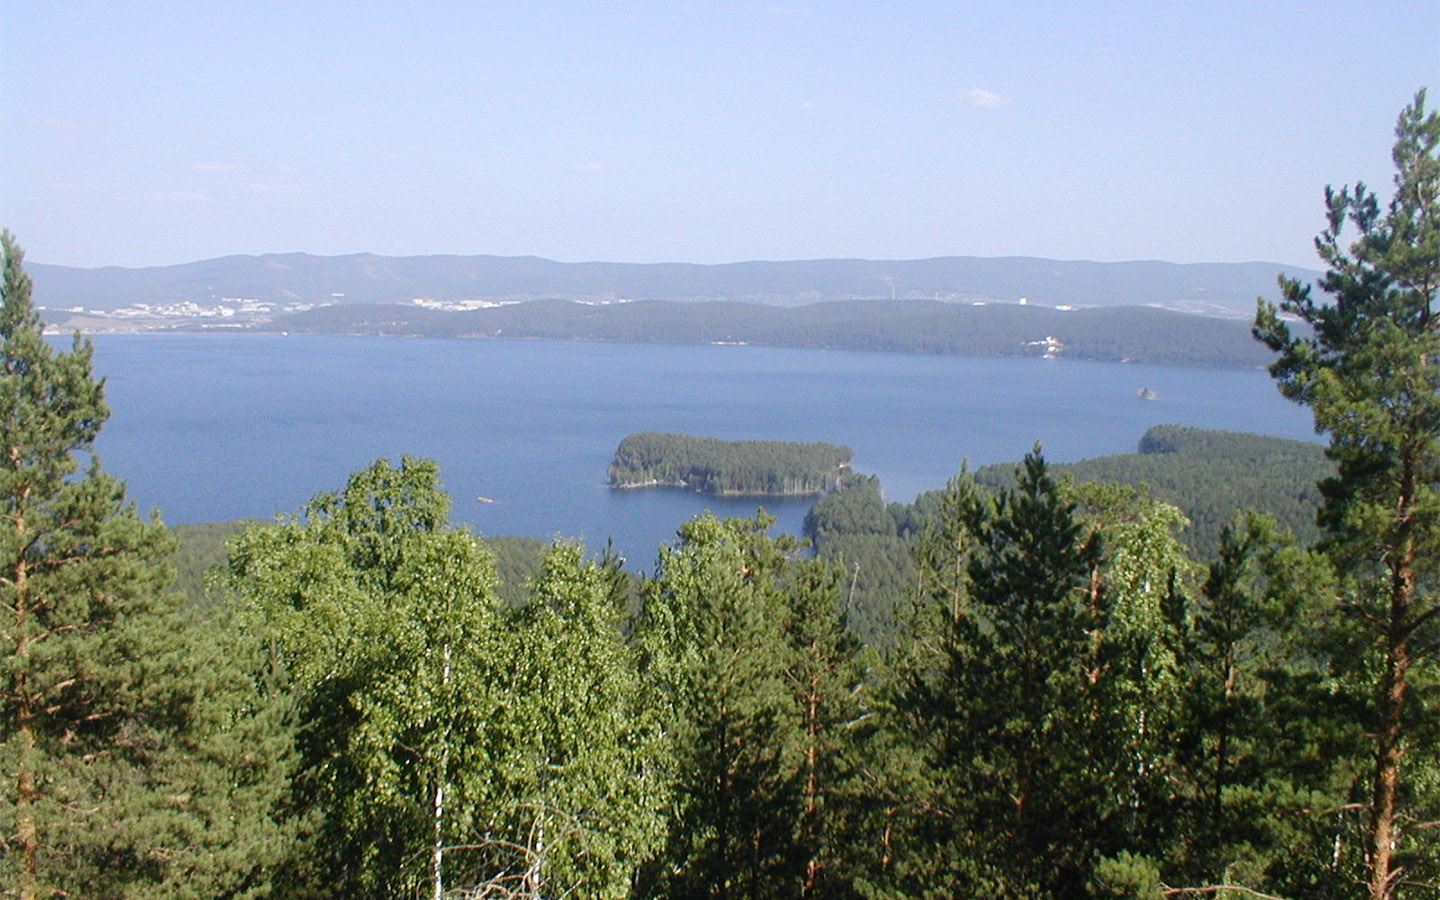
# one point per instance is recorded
(1217, 888)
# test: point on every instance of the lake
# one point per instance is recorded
(213, 427)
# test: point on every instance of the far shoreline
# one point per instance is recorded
(59, 332)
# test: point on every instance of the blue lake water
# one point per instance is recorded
(212, 427)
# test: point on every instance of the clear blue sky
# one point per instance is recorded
(152, 133)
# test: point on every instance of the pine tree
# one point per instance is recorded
(826, 676)
(1369, 368)
(1265, 752)
(714, 651)
(1029, 575)
(992, 704)
(915, 795)
(127, 752)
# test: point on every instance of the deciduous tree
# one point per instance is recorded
(386, 623)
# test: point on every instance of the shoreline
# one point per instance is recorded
(680, 485)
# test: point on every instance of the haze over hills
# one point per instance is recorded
(1113, 334)
(293, 281)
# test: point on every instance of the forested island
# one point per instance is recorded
(714, 466)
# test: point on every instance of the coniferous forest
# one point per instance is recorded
(1062, 699)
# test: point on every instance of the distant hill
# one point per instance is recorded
(909, 326)
(299, 279)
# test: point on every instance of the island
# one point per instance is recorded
(714, 466)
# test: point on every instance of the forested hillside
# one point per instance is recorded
(912, 326)
(201, 550)
(1210, 475)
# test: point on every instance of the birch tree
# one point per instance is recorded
(386, 623)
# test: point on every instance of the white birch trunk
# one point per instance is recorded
(437, 850)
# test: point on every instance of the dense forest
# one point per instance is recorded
(1208, 476)
(714, 466)
(1065, 702)
(1135, 334)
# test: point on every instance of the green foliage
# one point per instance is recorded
(1368, 370)
(825, 675)
(139, 760)
(1025, 629)
(755, 674)
(199, 550)
(879, 573)
(518, 562)
(989, 696)
(203, 548)
(712, 466)
(1264, 744)
(909, 838)
(1211, 475)
(582, 795)
(1023, 743)
(854, 529)
(857, 508)
(384, 622)
(1127, 876)
(217, 823)
(1131, 673)
(450, 742)
(712, 635)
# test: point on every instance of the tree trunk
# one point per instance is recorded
(27, 831)
(812, 788)
(1388, 742)
(437, 849)
(25, 796)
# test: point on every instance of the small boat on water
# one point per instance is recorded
(485, 499)
(1147, 394)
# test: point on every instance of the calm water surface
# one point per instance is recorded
(212, 427)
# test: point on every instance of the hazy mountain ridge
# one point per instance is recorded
(300, 279)
(1133, 334)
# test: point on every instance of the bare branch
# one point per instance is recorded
(1217, 888)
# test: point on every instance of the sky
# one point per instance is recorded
(138, 134)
